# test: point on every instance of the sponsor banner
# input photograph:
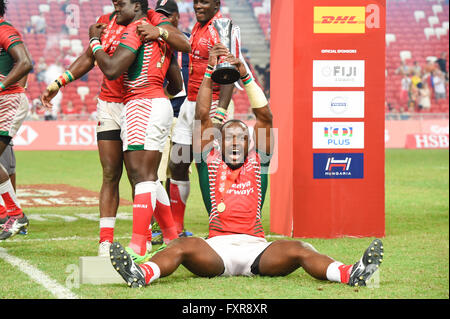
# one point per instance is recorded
(339, 19)
(56, 135)
(338, 104)
(338, 165)
(338, 73)
(402, 134)
(338, 135)
(432, 141)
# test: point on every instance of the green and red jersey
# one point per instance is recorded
(145, 77)
(113, 90)
(9, 37)
(241, 192)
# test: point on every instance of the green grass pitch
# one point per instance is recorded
(416, 263)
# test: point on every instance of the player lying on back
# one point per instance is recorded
(233, 188)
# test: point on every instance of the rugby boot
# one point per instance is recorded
(136, 257)
(123, 263)
(368, 265)
(13, 226)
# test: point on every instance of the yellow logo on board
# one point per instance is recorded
(339, 19)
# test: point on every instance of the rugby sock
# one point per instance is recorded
(9, 197)
(179, 193)
(338, 272)
(107, 229)
(163, 215)
(3, 213)
(151, 271)
(143, 206)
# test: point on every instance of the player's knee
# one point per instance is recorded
(112, 174)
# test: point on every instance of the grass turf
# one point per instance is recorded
(416, 242)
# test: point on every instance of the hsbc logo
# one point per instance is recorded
(25, 136)
(338, 165)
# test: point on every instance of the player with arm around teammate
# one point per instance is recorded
(109, 107)
(147, 115)
(233, 191)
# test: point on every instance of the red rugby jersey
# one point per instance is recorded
(113, 91)
(203, 38)
(9, 37)
(145, 77)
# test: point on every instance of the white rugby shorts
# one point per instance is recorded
(182, 133)
(145, 124)
(108, 116)
(238, 252)
(13, 111)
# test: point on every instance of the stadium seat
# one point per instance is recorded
(440, 32)
(429, 32)
(390, 37)
(419, 14)
(433, 20)
(83, 91)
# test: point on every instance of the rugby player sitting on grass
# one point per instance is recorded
(233, 182)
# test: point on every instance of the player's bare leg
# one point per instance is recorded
(284, 256)
(193, 253)
(16, 219)
(111, 159)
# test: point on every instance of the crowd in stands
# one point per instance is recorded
(417, 58)
(415, 83)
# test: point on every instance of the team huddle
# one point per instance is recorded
(158, 111)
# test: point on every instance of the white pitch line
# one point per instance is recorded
(38, 276)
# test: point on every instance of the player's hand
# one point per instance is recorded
(237, 63)
(47, 96)
(96, 30)
(216, 52)
(148, 32)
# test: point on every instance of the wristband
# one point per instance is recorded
(219, 116)
(163, 33)
(95, 45)
(61, 81)
(246, 79)
(2, 87)
(208, 74)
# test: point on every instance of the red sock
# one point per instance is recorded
(107, 229)
(163, 215)
(151, 271)
(179, 192)
(345, 271)
(11, 204)
(143, 205)
(3, 213)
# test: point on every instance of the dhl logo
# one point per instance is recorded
(345, 19)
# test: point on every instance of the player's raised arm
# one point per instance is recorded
(260, 107)
(204, 99)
